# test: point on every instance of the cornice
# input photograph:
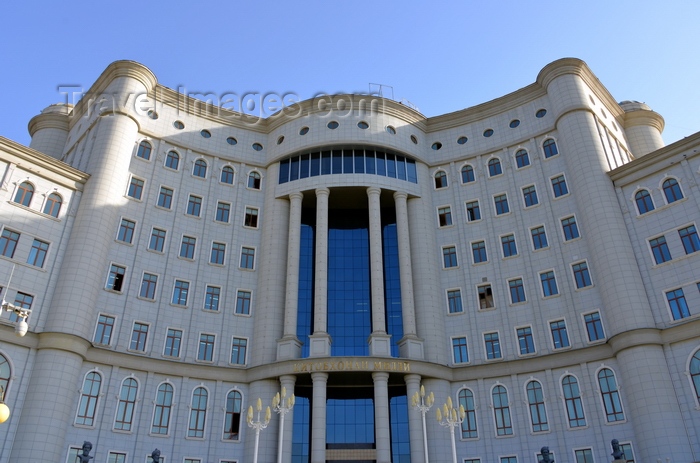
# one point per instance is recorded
(48, 121)
(644, 118)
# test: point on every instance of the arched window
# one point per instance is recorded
(535, 401)
(572, 399)
(53, 205)
(610, 395)
(550, 148)
(172, 160)
(198, 413)
(501, 411)
(144, 151)
(495, 167)
(125, 407)
(163, 406)
(466, 400)
(644, 202)
(672, 190)
(87, 407)
(24, 194)
(694, 374)
(232, 423)
(227, 175)
(254, 180)
(200, 168)
(522, 159)
(440, 179)
(467, 174)
(5, 375)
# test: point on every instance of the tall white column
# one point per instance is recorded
(318, 416)
(379, 344)
(288, 382)
(415, 421)
(410, 346)
(289, 346)
(382, 430)
(320, 340)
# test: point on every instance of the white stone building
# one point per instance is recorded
(534, 258)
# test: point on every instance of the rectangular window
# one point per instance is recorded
(444, 216)
(493, 346)
(454, 301)
(139, 335)
(157, 240)
(449, 257)
(180, 292)
(689, 237)
(473, 211)
(187, 247)
(126, 231)
(211, 298)
(526, 343)
(560, 338)
(194, 206)
(37, 255)
(677, 304)
(205, 353)
(539, 237)
(239, 346)
(223, 212)
(243, 302)
(116, 457)
(165, 197)
(22, 301)
(248, 258)
(512, 459)
(103, 332)
(559, 186)
(509, 247)
(517, 290)
(594, 326)
(218, 253)
(627, 450)
(530, 196)
(251, 217)
(148, 286)
(570, 228)
(135, 188)
(485, 297)
(192, 460)
(581, 275)
(501, 203)
(659, 249)
(479, 252)
(73, 453)
(584, 456)
(8, 243)
(549, 284)
(173, 340)
(459, 350)
(115, 280)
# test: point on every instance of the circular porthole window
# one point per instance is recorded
(304, 131)
(414, 139)
(178, 125)
(280, 140)
(390, 129)
(257, 146)
(436, 146)
(231, 141)
(514, 123)
(488, 132)
(333, 125)
(462, 140)
(540, 113)
(152, 114)
(363, 125)
(205, 133)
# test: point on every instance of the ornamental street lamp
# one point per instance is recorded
(258, 425)
(452, 419)
(4, 409)
(282, 405)
(423, 404)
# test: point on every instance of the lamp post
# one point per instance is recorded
(452, 419)
(423, 404)
(4, 409)
(258, 425)
(282, 405)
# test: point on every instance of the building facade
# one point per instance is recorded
(534, 259)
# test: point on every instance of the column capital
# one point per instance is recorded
(373, 190)
(288, 378)
(400, 194)
(380, 376)
(412, 378)
(319, 376)
(323, 191)
(296, 195)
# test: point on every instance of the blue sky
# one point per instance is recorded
(442, 57)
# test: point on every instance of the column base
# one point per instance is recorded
(411, 347)
(379, 345)
(288, 348)
(320, 345)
